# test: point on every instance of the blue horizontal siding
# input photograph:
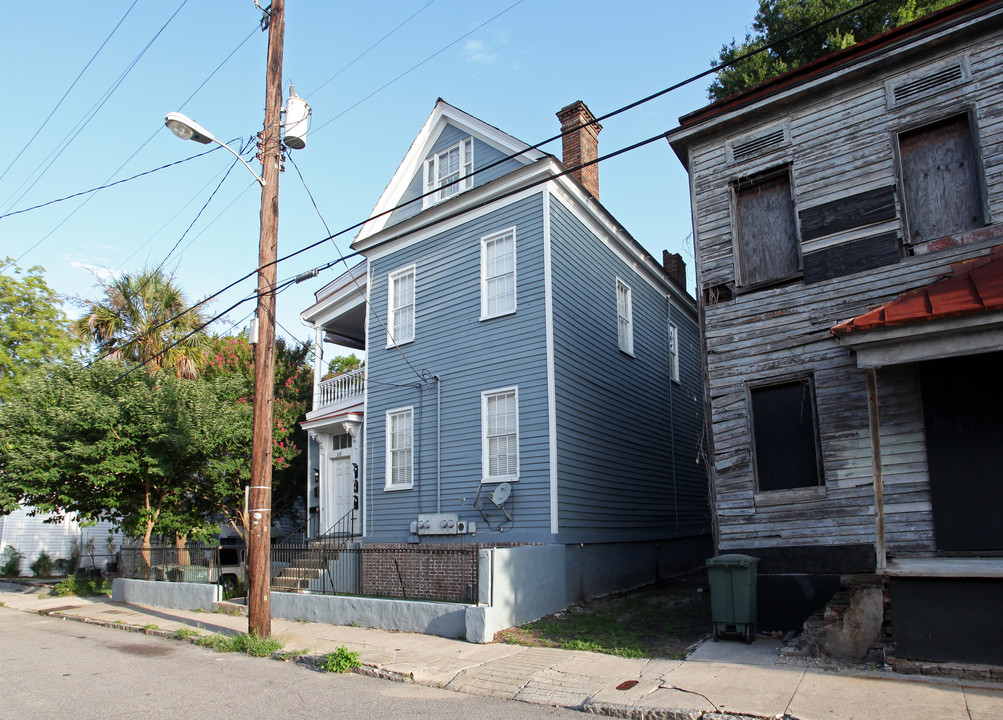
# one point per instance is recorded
(470, 356)
(484, 155)
(616, 413)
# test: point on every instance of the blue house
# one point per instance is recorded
(532, 377)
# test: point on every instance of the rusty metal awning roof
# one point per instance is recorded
(973, 286)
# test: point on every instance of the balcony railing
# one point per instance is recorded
(340, 389)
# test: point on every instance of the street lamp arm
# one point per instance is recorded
(249, 168)
(187, 129)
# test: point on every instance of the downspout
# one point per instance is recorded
(438, 443)
(672, 419)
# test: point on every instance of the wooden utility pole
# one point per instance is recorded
(259, 601)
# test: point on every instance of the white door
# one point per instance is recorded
(338, 495)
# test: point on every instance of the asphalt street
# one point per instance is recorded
(57, 668)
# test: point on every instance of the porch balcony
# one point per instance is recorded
(338, 318)
(340, 391)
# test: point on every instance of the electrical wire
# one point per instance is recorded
(343, 258)
(73, 134)
(68, 90)
(418, 65)
(371, 47)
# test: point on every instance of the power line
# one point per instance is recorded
(371, 47)
(418, 65)
(68, 90)
(73, 134)
(343, 258)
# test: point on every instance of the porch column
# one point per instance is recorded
(318, 363)
(874, 421)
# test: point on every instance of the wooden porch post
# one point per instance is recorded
(874, 421)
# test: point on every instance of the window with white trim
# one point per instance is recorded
(673, 352)
(447, 166)
(498, 274)
(500, 435)
(400, 306)
(400, 442)
(624, 317)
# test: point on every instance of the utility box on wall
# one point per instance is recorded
(442, 524)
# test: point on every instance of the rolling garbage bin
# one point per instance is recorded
(733, 595)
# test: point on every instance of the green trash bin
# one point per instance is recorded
(733, 595)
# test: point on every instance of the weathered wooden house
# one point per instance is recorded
(532, 374)
(846, 220)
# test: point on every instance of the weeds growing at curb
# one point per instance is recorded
(82, 585)
(149, 627)
(248, 644)
(184, 632)
(341, 660)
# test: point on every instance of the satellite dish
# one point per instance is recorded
(501, 493)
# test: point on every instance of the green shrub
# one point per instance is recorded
(42, 567)
(64, 566)
(341, 660)
(82, 585)
(11, 565)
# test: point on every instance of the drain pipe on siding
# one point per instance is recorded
(438, 443)
(672, 422)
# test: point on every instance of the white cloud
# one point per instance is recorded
(478, 51)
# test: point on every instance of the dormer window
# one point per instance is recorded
(444, 168)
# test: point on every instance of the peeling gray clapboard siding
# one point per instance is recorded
(484, 155)
(470, 356)
(614, 448)
(843, 147)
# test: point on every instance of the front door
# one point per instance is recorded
(962, 398)
(338, 496)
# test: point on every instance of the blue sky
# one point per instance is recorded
(512, 64)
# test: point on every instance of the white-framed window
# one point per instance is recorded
(400, 445)
(500, 435)
(400, 306)
(498, 274)
(445, 167)
(673, 352)
(624, 317)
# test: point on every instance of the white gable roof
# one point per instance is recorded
(442, 114)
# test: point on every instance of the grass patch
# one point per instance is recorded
(340, 661)
(150, 627)
(183, 633)
(659, 621)
(249, 644)
(83, 586)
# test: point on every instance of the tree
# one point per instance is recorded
(137, 450)
(341, 364)
(232, 357)
(776, 19)
(140, 319)
(33, 329)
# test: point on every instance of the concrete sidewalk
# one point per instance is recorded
(718, 680)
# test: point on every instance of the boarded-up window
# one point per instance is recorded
(940, 180)
(768, 247)
(786, 441)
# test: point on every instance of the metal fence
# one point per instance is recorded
(424, 572)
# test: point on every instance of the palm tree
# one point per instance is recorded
(141, 319)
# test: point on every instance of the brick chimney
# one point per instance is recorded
(581, 144)
(675, 267)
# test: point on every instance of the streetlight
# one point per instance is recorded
(187, 129)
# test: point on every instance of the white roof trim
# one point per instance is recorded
(442, 114)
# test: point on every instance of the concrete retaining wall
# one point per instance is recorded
(181, 595)
(444, 619)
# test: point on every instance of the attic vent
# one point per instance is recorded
(758, 144)
(929, 83)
